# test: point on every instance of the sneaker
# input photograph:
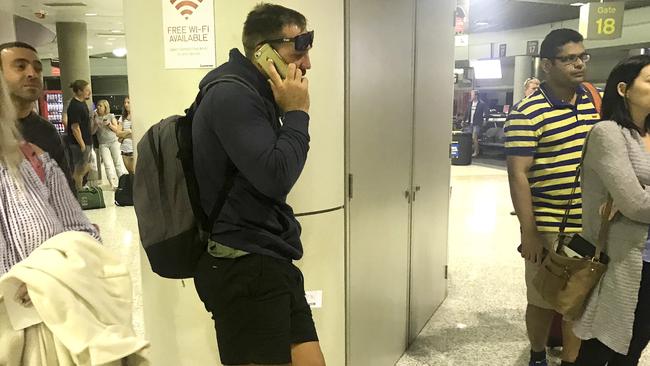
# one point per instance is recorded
(538, 363)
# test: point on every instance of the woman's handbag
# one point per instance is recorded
(565, 282)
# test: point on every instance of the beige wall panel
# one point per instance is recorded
(324, 269)
(431, 165)
(380, 139)
(179, 328)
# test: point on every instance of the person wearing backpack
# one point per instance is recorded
(256, 131)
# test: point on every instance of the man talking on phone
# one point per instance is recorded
(257, 131)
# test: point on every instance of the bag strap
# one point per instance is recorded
(232, 78)
(604, 220)
(567, 212)
(33, 159)
(597, 101)
(230, 178)
(594, 96)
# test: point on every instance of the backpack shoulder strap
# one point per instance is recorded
(227, 78)
(594, 96)
(230, 178)
(232, 78)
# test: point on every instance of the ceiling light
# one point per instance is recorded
(578, 4)
(481, 24)
(116, 31)
(90, 47)
(111, 39)
(91, 14)
(119, 52)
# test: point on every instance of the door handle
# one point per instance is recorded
(417, 189)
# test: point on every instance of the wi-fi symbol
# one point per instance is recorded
(186, 7)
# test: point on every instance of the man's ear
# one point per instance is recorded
(546, 65)
(622, 89)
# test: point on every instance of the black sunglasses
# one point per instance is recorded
(301, 42)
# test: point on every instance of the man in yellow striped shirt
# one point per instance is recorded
(544, 137)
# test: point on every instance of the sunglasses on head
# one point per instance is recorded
(301, 42)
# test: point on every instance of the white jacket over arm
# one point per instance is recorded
(82, 293)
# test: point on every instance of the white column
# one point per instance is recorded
(72, 42)
(523, 70)
(7, 27)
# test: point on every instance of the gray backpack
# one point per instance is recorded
(174, 229)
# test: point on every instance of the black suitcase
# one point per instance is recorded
(124, 191)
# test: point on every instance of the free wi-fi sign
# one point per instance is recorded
(186, 7)
(188, 33)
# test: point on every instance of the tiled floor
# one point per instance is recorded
(481, 322)
(119, 231)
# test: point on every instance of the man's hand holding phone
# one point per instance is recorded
(292, 93)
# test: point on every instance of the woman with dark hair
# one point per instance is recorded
(125, 136)
(615, 326)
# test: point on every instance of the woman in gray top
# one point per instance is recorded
(109, 147)
(616, 322)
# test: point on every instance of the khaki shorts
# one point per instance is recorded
(534, 298)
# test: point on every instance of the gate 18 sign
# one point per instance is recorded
(188, 32)
(602, 20)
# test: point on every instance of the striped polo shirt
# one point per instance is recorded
(553, 133)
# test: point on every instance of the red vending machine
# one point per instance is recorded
(51, 108)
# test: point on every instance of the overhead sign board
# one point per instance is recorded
(600, 21)
(532, 48)
(188, 31)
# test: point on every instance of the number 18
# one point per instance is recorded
(606, 26)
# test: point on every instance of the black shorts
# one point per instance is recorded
(80, 158)
(258, 305)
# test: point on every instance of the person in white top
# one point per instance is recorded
(109, 148)
(530, 86)
(125, 136)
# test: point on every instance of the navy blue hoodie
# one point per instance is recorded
(234, 132)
